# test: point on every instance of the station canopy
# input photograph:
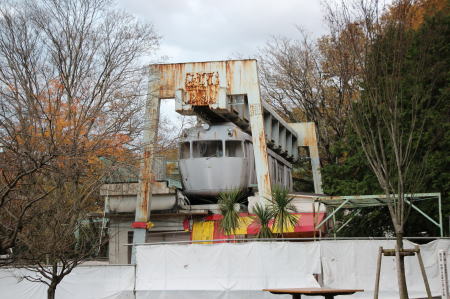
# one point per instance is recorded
(335, 203)
(364, 201)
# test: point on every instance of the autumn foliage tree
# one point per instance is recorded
(71, 88)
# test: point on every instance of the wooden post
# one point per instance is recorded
(397, 253)
(377, 277)
(424, 274)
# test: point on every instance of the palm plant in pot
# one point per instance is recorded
(263, 215)
(227, 205)
(282, 207)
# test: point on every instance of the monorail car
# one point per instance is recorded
(219, 157)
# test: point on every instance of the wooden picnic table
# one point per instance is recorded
(327, 293)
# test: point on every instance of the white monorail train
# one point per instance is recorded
(220, 157)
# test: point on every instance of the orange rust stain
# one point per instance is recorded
(144, 203)
(145, 186)
(262, 145)
(254, 110)
(229, 76)
(266, 180)
(263, 149)
(169, 76)
(261, 142)
(309, 137)
(237, 73)
(146, 154)
(202, 88)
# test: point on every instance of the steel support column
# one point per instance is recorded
(315, 165)
(332, 213)
(348, 221)
(423, 213)
(142, 214)
(259, 137)
(334, 224)
(307, 136)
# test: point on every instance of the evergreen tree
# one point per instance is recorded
(351, 173)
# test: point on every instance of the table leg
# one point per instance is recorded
(329, 296)
(296, 296)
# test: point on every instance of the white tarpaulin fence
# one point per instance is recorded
(224, 270)
(106, 282)
(352, 264)
(239, 271)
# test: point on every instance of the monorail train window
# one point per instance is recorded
(185, 150)
(233, 148)
(207, 149)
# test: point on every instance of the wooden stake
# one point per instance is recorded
(424, 274)
(377, 278)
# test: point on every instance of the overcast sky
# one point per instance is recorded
(203, 30)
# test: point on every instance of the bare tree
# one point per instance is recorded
(70, 83)
(390, 117)
(62, 234)
(311, 80)
(170, 131)
(71, 98)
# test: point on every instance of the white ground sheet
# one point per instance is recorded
(238, 271)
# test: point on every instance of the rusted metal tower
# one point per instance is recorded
(220, 91)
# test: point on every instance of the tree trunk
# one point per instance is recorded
(51, 291)
(400, 265)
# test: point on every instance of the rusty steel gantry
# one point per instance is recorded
(220, 91)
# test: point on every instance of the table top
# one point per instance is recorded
(316, 291)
